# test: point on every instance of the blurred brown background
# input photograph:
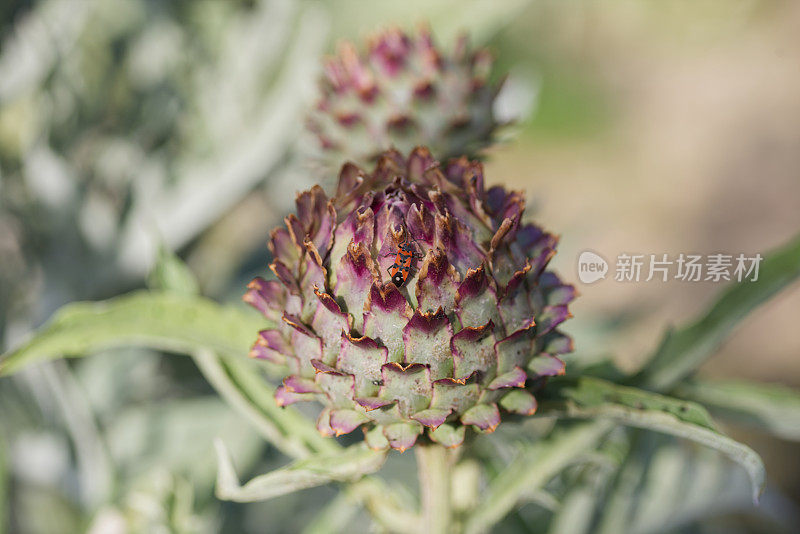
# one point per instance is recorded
(680, 136)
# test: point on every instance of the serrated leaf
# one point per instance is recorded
(769, 407)
(164, 321)
(592, 398)
(683, 350)
(348, 465)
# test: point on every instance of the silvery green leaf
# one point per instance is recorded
(251, 135)
(683, 350)
(769, 407)
(348, 465)
(171, 274)
(588, 393)
(593, 398)
(164, 321)
(177, 323)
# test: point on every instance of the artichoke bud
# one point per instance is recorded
(403, 91)
(471, 332)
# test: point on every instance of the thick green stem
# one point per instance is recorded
(434, 465)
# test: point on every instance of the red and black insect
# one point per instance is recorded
(401, 268)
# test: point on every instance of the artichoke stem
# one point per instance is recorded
(434, 466)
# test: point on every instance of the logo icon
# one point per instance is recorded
(591, 267)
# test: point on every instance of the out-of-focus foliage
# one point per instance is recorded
(116, 452)
(161, 503)
(125, 123)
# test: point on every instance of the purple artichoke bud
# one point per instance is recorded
(469, 329)
(402, 92)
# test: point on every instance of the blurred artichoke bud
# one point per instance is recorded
(403, 92)
(469, 328)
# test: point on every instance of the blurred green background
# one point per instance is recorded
(130, 125)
